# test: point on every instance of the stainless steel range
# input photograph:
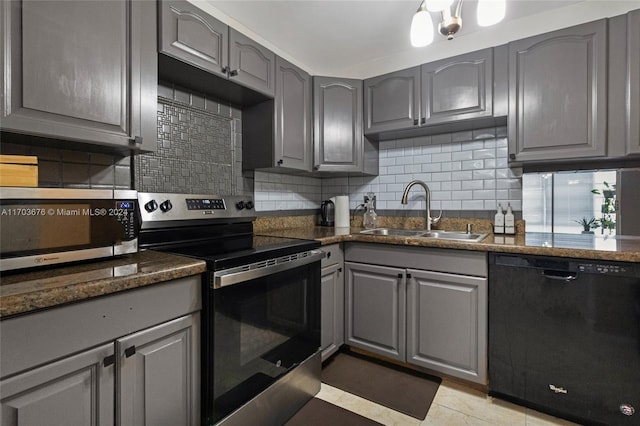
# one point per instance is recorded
(261, 305)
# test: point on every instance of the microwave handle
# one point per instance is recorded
(261, 269)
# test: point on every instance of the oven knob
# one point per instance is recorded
(240, 205)
(165, 206)
(151, 206)
(249, 205)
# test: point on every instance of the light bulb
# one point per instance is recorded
(438, 5)
(491, 12)
(421, 28)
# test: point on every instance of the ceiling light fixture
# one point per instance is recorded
(490, 12)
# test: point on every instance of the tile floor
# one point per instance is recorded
(454, 405)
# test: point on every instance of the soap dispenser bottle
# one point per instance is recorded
(370, 217)
(509, 221)
(498, 223)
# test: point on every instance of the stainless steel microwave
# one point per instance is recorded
(46, 226)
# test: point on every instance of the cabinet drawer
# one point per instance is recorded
(334, 255)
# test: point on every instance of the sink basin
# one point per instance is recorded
(458, 236)
(440, 235)
(394, 232)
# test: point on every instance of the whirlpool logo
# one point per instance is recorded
(39, 260)
(557, 389)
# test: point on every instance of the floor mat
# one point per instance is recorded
(407, 391)
(317, 412)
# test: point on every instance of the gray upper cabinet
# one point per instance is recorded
(624, 85)
(558, 95)
(633, 76)
(458, 88)
(251, 64)
(277, 134)
(460, 93)
(293, 127)
(392, 101)
(338, 142)
(81, 71)
(191, 35)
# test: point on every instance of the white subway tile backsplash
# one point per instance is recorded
(464, 170)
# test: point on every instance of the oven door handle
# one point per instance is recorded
(261, 269)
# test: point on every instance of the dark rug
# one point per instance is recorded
(401, 389)
(317, 412)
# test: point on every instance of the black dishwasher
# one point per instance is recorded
(564, 336)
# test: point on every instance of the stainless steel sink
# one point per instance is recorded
(441, 235)
(394, 232)
(458, 236)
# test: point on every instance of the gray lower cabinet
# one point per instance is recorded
(131, 358)
(81, 71)
(157, 374)
(423, 306)
(75, 391)
(191, 35)
(338, 141)
(332, 303)
(446, 314)
(558, 95)
(277, 134)
(375, 299)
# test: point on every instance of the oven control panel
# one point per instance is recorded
(162, 207)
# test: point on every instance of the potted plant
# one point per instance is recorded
(588, 224)
(608, 209)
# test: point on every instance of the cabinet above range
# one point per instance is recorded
(458, 93)
(203, 53)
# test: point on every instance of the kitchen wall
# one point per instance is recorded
(467, 173)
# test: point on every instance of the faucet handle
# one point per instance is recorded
(469, 228)
(435, 220)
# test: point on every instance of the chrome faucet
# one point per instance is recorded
(430, 221)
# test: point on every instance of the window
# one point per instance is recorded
(570, 202)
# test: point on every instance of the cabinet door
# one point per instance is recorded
(293, 116)
(392, 101)
(458, 88)
(375, 298)
(633, 76)
(193, 36)
(81, 70)
(75, 391)
(251, 64)
(558, 94)
(447, 323)
(159, 374)
(332, 313)
(338, 139)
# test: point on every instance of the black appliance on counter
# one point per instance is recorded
(327, 213)
(564, 336)
(260, 307)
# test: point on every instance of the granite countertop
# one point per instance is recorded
(29, 291)
(590, 246)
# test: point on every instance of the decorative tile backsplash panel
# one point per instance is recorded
(198, 147)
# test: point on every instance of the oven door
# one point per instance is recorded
(259, 328)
